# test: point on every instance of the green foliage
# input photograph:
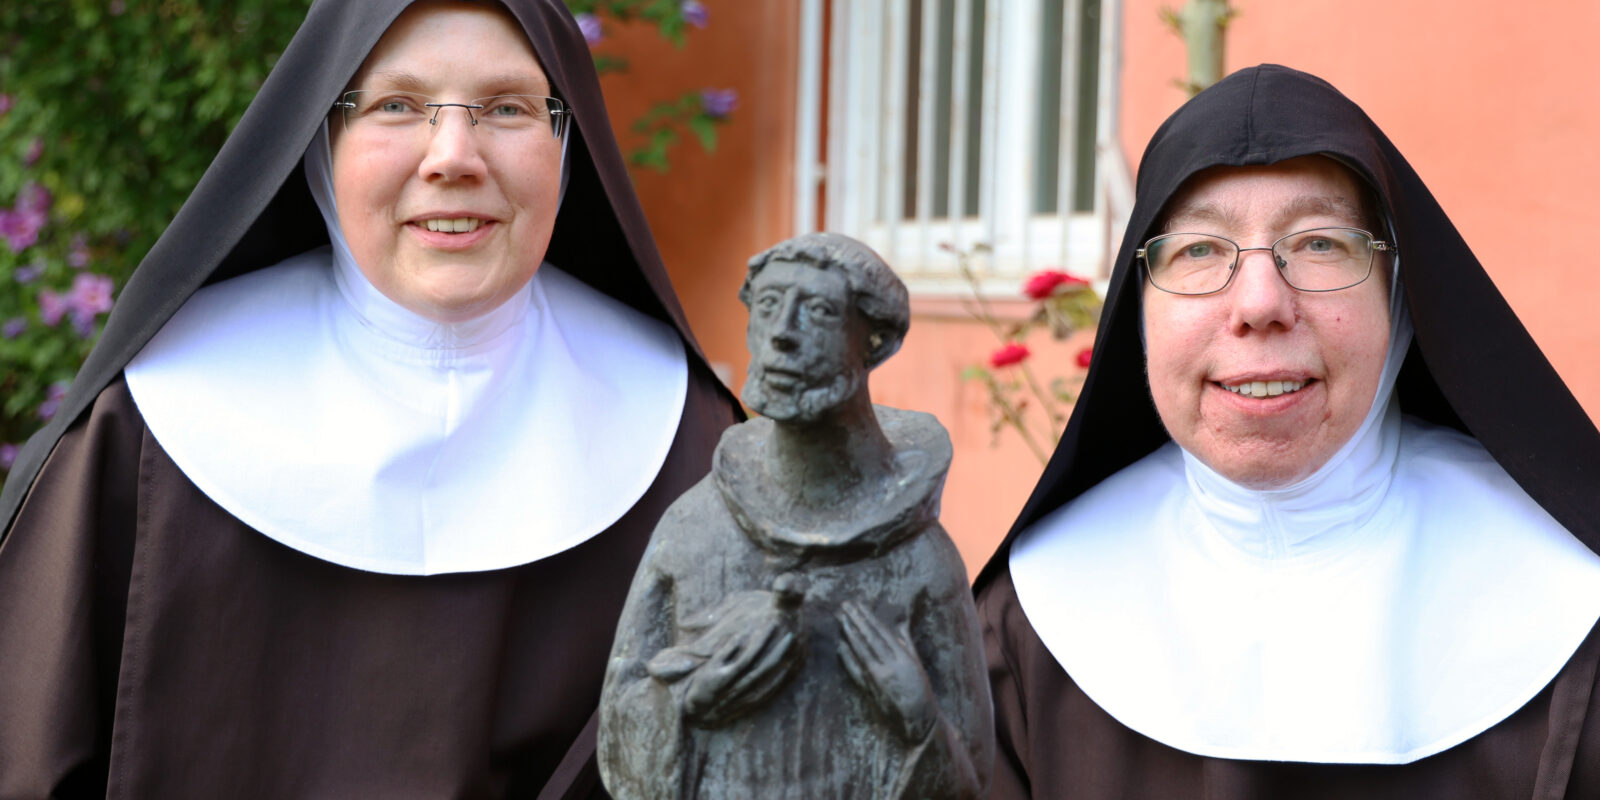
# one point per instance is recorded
(115, 109)
(666, 15)
(659, 129)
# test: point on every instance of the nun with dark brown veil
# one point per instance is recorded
(347, 499)
(1324, 522)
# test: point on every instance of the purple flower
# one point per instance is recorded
(14, 327)
(82, 323)
(28, 274)
(33, 197)
(8, 456)
(20, 228)
(52, 306)
(78, 255)
(719, 103)
(52, 399)
(90, 295)
(590, 25)
(117, 7)
(695, 13)
(34, 151)
(6, 102)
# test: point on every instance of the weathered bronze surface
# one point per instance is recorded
(801, 625)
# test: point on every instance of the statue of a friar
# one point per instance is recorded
(801, 626)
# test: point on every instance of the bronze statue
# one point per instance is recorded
(801, 625)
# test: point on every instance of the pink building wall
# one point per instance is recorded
(1493, 103)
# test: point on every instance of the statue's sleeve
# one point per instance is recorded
(641, 729)
(956, 759)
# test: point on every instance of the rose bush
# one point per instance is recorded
(1062, 303)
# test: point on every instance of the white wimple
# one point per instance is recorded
(1403, 599)
(329, 418)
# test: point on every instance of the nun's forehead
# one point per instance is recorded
(1352, 195)
(418, 15)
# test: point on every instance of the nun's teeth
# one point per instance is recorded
(1265, 388)
(459, 225)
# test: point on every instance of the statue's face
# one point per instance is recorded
(806, 340)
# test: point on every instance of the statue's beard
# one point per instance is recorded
(808, 406)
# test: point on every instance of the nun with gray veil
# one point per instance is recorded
(1324, 521)
(347, 499)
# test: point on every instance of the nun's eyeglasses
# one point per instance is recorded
(1316, 260)
(402, 113)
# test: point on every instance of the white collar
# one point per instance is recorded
(331, 419)
(1402, 599)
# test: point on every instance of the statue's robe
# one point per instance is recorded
(729, 547)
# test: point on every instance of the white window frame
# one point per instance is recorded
(865, 123)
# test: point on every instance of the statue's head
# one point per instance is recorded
(824, 310)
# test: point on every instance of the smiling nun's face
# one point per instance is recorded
(449, 220)
(1323, 351)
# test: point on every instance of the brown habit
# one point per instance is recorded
(153, 646)
(1471, 366)
(1054, 742)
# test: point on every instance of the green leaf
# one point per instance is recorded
(706, 129)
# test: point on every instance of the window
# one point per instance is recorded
(965, 121)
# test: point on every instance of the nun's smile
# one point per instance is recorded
(1261, 381)
(449, 218)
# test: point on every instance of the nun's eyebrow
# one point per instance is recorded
(1319, 206)
(522, 82)
(400, 79)
(1203, 214)
(1200, 214)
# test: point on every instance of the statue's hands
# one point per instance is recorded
(883, 663)
(743, 672)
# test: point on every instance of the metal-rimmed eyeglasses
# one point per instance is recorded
(1315, 260)
(401, 113)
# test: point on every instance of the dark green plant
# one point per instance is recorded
(112, 113)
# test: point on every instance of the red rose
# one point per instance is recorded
(1085, 356)
(1013, 353)
(1045, 283)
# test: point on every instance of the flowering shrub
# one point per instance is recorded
(701, 110)
(1063, 303)
(1009, 354)
(110, 113)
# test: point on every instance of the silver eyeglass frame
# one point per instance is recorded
(1233, 269)
(559, 117)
